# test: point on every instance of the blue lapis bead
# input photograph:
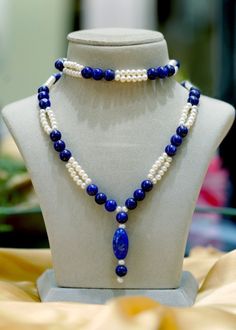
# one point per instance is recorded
(98, 74)
(109, 74)
(120, 243)
(122, 217)
(110, 205)
(182, 130)
(121, 270)
(170, 69)
(193, 100)
(131, 203)
(43, 95)
(57, 76)
(100, 198)
(59, 64)
(147, 185)
(170, 150)
(65, 155)
(194, 92)
(43, 89)
(139, 194)
(152, 73)
(176, 140)
(59, 145)
(87, 72)
(44, 103)
(55, 135)
(162, 72)
(92, 190)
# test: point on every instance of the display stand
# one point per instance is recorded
(183, 296)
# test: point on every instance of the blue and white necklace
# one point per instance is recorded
(48, 121)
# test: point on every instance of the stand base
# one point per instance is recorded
(183, 296)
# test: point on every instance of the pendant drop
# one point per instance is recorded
(120, 249)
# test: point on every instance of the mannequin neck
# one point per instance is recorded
(118, 48)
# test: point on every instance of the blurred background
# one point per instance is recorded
(201, 34)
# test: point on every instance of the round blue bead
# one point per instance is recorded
(98, 74)
(100, 198)
(162, 72)
(121, 270)
(59, 145)
(92, 190)
(59, 64)
(182, 130)
(193, 100)
(170, 150)
(43, 89)
(176, 140)
(55, 135)
(131, 203)
(43, 95)
(109, 74)
(57, 76)
(194, 92)
(44, 103)
(147, 185)
(65, 155)
(110, 205)
(122, 217)
(152, 73)
(171, 70)
(87, 72)
(139, 194)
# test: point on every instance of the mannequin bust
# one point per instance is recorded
(117, 131)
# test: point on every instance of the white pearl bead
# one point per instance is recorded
(145, 77)
(75, 178)
(88, 181)
(123, 226)
(158, 163)
(158, 177)
(164, 168)
(154, 167)
(118, 209)
(78, 168)
(68, 165)
(83, 185)
(167, 164)
(81, 172)
(117, 77)
(79, 182)
(74, 164)
(150, 176)
(122, 79)
(169, 159)
(121, 262)
(152, 171)
(164, 155)
(71, 160)
(124, 209)
(161, 159)
(120, 280)
(85, 176)
(154, 180)
(70, 170)
(161, 172)
(73, 174)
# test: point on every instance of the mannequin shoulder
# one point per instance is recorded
(216, 113)
(16, 112)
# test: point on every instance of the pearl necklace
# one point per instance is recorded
(82, 180)
(77, 70)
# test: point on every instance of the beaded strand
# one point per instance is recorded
(81, 178)
(77, 70)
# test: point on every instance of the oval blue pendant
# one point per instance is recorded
(120, 243)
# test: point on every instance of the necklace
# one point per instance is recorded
(77, 70)
(120, 240)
